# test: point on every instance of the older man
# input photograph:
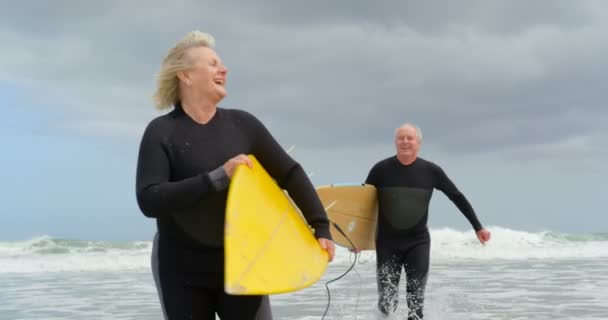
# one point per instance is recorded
(405, 184)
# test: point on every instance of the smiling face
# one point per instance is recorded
(208, 74)
(407, 143)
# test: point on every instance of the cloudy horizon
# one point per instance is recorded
(509, 95)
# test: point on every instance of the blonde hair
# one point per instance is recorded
(167, 85)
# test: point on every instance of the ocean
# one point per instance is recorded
(518, 275)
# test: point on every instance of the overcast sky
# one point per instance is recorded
(510, 95)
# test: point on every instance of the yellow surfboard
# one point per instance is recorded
(354, 208)
(268, 247)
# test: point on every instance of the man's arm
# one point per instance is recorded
(445, 185)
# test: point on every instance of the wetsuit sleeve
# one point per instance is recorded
(445, 185)
(290, 176)
(371, 176)
(156, 194)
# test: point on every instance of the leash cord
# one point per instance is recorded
(354, 249)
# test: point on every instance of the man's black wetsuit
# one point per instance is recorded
(181, 183)
(402, 238)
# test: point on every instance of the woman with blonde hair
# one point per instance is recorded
(186, 160)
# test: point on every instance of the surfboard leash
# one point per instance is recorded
(350, 256)
(354, 262)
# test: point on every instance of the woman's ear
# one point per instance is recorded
(184, 77)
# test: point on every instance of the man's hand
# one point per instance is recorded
(483, 235)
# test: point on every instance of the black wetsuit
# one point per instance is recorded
(181, 183)
(402, 238)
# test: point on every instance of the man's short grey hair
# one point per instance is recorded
(411, 125)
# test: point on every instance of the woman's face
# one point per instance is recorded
(208, 74)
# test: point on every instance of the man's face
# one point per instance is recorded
(406, 142)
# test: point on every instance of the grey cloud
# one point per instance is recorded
(478, 78)
(426, 17)
(495, 86)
